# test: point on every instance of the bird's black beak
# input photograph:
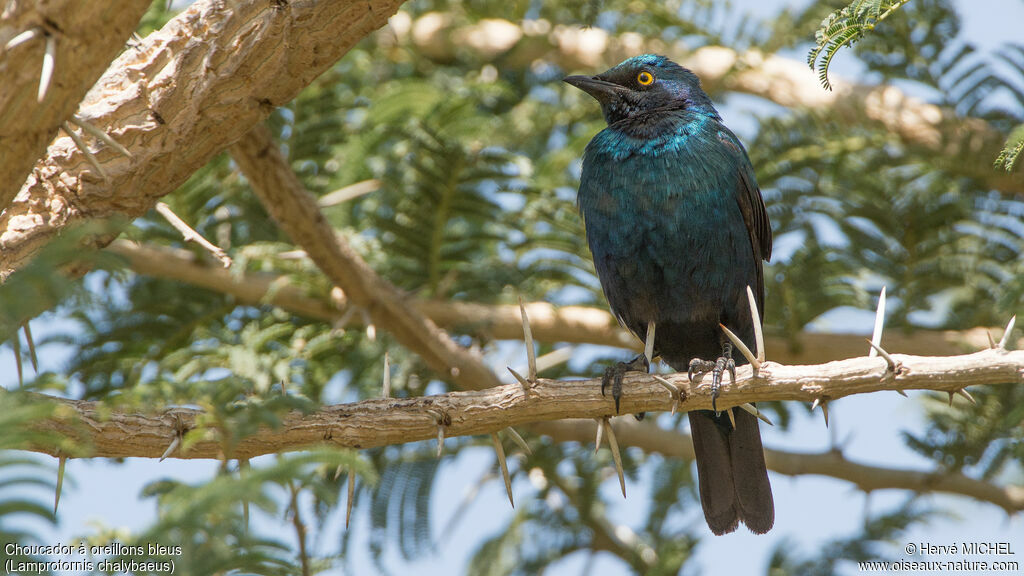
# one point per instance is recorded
(602, 90)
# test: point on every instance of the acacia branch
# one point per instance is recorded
(576, 324)
(181, 96)
(85, 37)
(548, 403)
(296, 211)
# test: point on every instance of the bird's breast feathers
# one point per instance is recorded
(659, 211)
(687, 167)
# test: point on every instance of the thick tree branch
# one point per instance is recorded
(547, 405)
(576, 324)
(296, 211)
(85, 36)
(177, 99)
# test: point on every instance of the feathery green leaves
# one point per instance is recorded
(1010, 156)
(846, 26)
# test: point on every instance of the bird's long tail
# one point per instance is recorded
(731, 472)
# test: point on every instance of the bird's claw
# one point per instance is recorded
(613, 375)
(717, 368)
(698, 367)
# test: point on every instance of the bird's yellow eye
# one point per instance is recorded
(644, 78)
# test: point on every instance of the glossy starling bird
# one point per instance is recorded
(678, 229)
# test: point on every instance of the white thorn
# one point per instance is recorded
(171, 448)
(519, 377)
(531, 354)
(350, 192)
(732, 417)
(351, 496)
(386, 387)
(649, 343)
(440, 439)
(742, 348)
(518, 439)
(666, 384)
(1006, 333)
(189, 234)
(876, 335)
(758, 329)
(62, 461)
(890, 363)
(500, 452)
(963, 392)
(672, 389)
(22, 38)
(600, 434)
(49, 60)
(31, 346)
(616, 457)
(753, 410)
(85, 150)
(16, 345)
(824, 408)
(100, 134)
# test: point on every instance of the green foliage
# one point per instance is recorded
(478, 163)
(566, 516)
(400, 505)
(209, 519)
(869, 545)
(39, 285)
(158, 14)
(983, 438)
(24, 478)
(1010, 155)
(846, 26)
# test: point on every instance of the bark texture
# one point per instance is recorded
(181, 96)
(552, 407)
(85, 37)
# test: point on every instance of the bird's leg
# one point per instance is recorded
(613, 375)
(716, 367)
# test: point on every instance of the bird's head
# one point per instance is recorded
(645, 85)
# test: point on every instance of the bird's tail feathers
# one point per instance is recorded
(731, 472)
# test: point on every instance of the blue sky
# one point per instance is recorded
(810, 510)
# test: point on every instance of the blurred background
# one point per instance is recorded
(457, 148)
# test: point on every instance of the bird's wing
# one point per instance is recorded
(751, 204)
(611, 236)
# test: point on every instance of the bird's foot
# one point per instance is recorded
(717, 368)
(613, 375)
